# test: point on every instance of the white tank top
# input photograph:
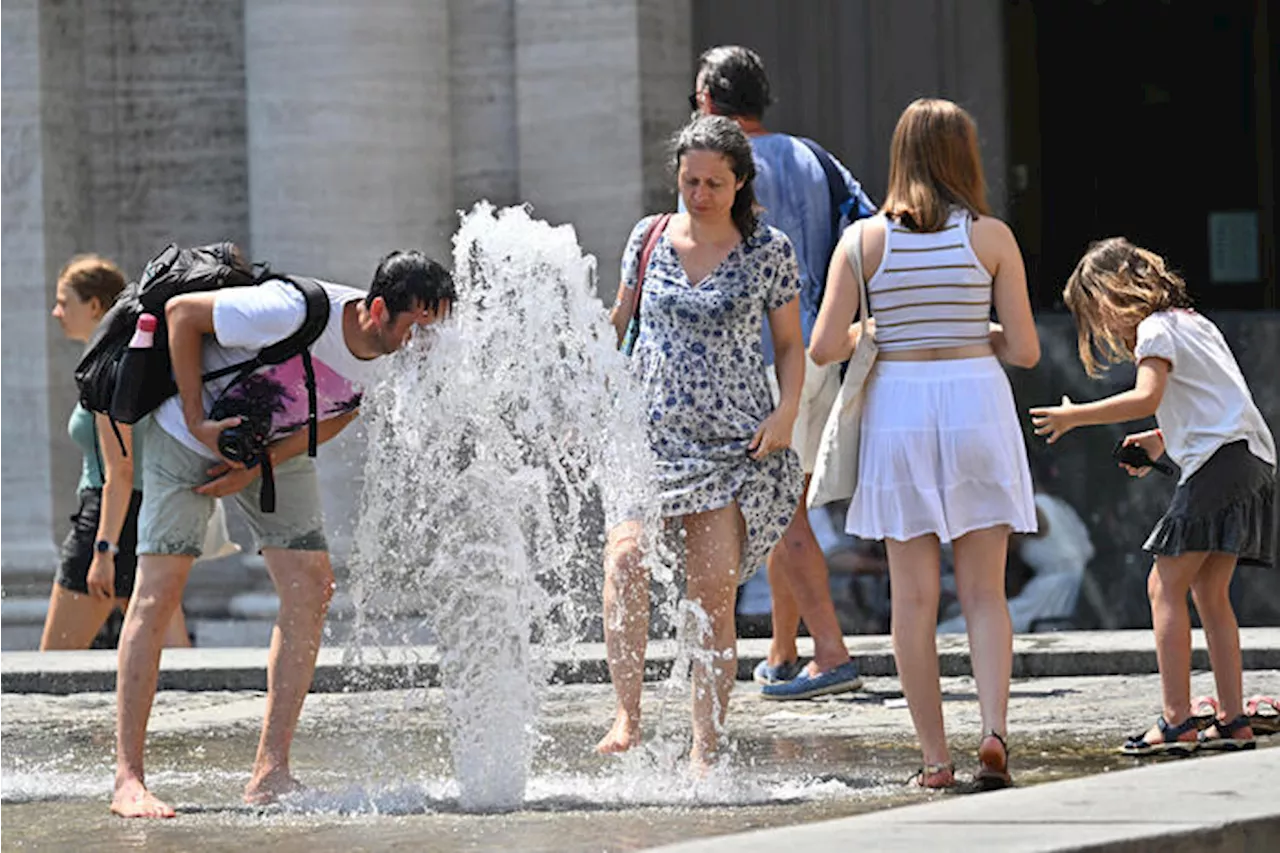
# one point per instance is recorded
(930, 289)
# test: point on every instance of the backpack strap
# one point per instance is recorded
(299, 343)
(837, 190)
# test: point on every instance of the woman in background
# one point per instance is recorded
(95, 575)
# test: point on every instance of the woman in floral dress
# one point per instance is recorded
(724, 466)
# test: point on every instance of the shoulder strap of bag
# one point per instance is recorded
(837, 190)
(651, 236)
(853, 252)
(313, 325)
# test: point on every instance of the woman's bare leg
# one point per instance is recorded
(626, 631)
(73, 620)
(915, 583)
(713, 548)
(980, 565)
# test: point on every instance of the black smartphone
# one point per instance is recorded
(1135, 457)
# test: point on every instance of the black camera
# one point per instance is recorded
(1135, 457)
(246, 442)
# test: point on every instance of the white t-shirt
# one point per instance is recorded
(1206, 402)
(248, 319)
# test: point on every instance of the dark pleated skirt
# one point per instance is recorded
(1229, 505)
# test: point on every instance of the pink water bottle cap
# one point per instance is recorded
(146, 323)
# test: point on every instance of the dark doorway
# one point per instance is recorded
(1151, 119)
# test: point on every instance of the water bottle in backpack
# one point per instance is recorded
(143, 371)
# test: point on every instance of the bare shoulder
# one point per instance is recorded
(872, 231)
(992, 231)
(993, 241)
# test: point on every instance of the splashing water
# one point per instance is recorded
(498, 448)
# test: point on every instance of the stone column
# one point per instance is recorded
(139, 140)
(599, 86)
(349, 156)
(164, 114)
(666, 79)
(482, 47)
(27, 329)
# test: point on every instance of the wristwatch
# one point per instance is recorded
(102, 546)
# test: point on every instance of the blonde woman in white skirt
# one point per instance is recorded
(942, 457)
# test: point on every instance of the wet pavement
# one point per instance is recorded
(377, 764)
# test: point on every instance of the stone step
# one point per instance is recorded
(388, 665)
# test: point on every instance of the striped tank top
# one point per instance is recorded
(930, 289)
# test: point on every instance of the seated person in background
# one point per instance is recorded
(1057, 556)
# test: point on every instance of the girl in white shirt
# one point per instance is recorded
(1129, 306)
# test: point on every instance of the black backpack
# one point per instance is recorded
(127, 389)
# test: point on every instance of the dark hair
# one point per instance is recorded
(723, 136)
(734, 78)
(406, 278)
(93, 277)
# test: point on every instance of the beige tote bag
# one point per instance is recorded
(217, 540)
(835, 472)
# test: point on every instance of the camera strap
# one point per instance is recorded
(313, 422)
(267, 494)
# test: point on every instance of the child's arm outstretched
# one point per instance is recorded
(1139, 402)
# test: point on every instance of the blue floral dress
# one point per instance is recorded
(699, 360)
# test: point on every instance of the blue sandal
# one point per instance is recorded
(1230, 743)
(1170, 743)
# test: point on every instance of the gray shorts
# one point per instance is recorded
(174, 519)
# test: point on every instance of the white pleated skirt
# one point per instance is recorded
(941, 452)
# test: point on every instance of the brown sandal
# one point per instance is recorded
(994, 772)
(934, 777)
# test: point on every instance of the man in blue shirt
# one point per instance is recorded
(793, 188)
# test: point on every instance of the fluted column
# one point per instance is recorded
(28, 543)
(595, 102)
(482, 50)
(349, 156)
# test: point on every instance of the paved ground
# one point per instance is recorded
(1090, 714)
(1222, 804)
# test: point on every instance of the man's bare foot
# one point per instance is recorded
(624, 734)
(132, 799)
(265, 789)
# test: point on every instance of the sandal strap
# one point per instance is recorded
(931, 770)
(995, 734)
(1172, 733)
(1230, 727)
